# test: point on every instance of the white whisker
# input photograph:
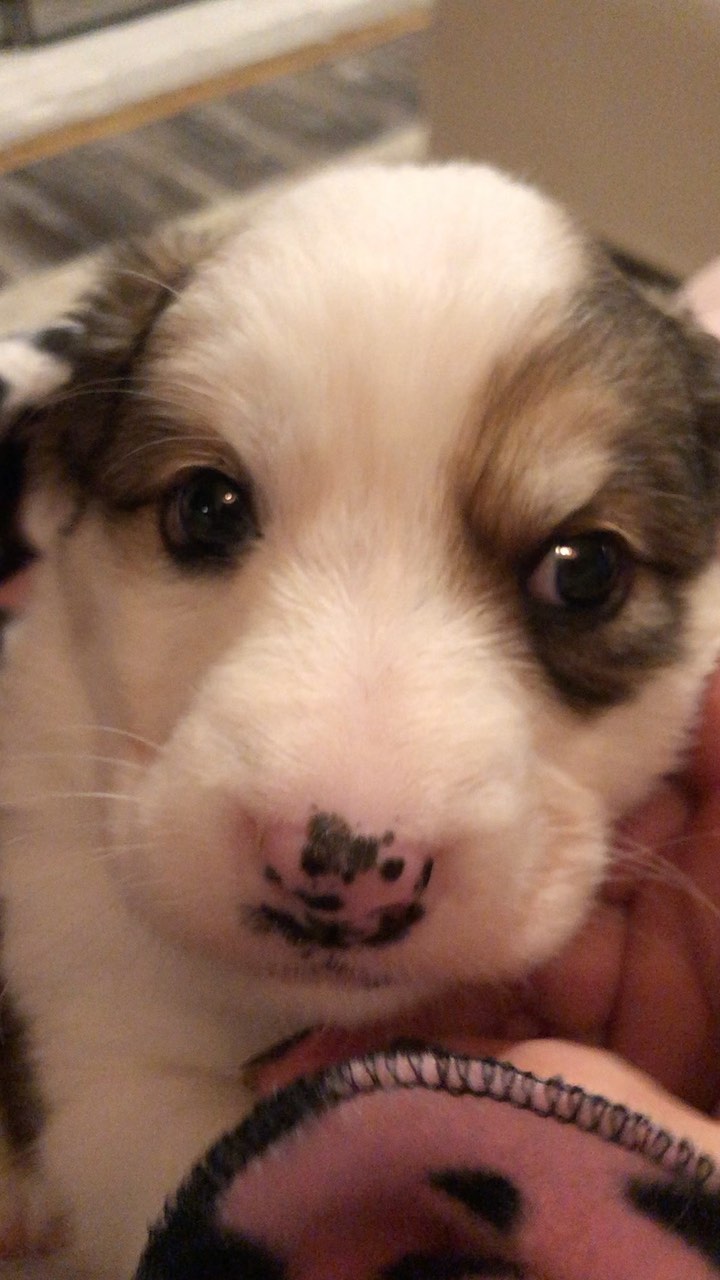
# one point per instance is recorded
(41, 797)
(646, 865)
(89, 756)
(164, 286)
(114, 729)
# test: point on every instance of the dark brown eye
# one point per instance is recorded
(590, 572)
(208, 518)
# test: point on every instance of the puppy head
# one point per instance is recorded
(388, 534)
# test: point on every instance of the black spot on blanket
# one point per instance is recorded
(686, 1210)
(487, 1195)
(191, 1249)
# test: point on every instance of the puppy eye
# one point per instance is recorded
(208, 517)
(592, 571)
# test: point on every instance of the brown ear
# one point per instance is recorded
(116, 319)
(702, 364)
(693, 356)
(59, 387)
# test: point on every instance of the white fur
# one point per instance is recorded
(32, 374)
(153, 722)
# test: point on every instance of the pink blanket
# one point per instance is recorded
(414, 1164)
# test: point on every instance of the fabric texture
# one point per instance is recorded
(416, 1163)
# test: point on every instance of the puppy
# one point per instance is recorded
(378, 579)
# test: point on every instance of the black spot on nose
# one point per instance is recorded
(423, 879)
(336, 935)
(395, 924)
(321, 901)
(392, 869)
(311, 931)
(332, 849)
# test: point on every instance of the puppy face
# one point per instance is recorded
(390, 549)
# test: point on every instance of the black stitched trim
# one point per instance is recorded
(438, 1071)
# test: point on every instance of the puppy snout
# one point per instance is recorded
(336, 887)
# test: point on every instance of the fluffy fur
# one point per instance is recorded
(421, 382)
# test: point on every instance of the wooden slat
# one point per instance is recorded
(343, 27)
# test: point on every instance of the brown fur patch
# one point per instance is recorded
(73, 439)
(613, 423)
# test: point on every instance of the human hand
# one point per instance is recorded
(641, 979)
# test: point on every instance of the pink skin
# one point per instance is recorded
(631, 1008)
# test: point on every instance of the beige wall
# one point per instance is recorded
(613, 105)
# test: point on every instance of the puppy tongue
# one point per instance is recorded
(453, 1023)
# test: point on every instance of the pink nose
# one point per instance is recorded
(332, 886)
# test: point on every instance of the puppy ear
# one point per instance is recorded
(688, 362)
(34, 367)
(702, 364)
(58, 385)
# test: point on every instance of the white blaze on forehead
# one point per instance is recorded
(365, 309)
